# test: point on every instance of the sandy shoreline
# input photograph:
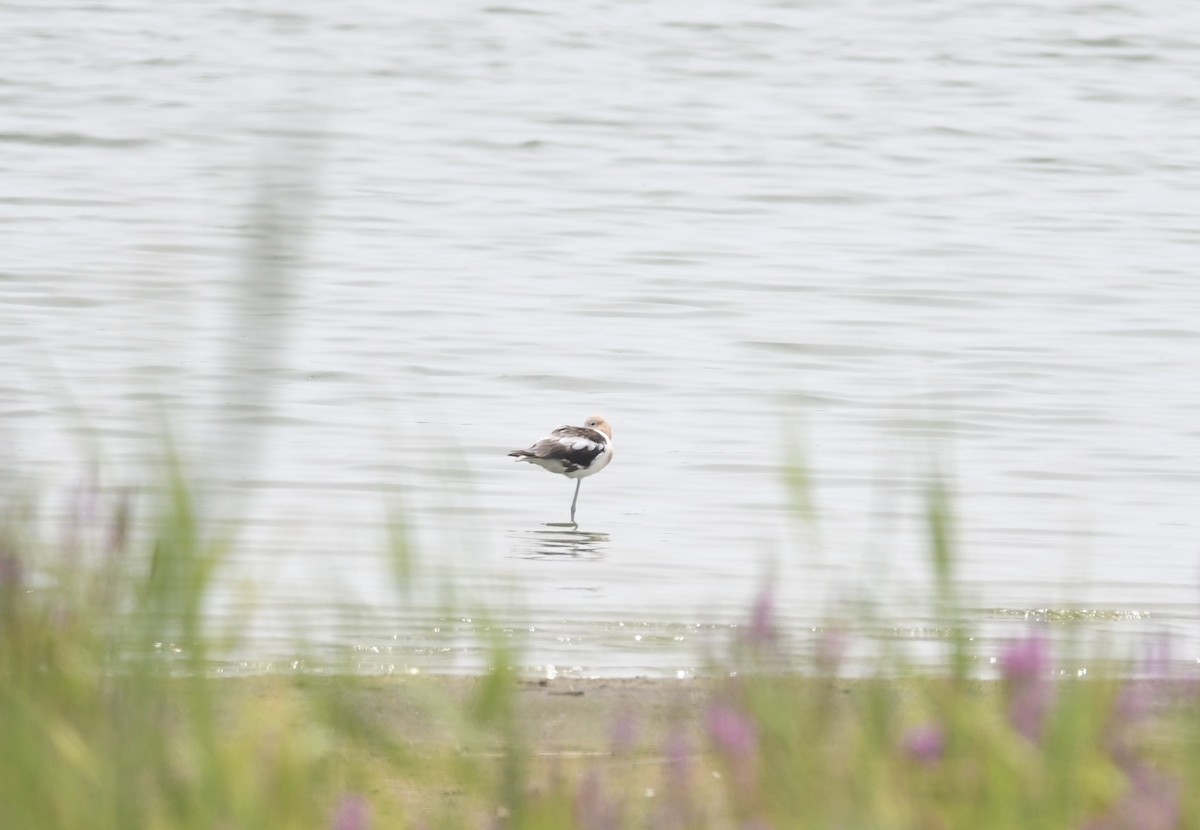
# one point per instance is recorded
(564, 715)
(556, 715)
(426, 732)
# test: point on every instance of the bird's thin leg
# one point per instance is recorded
(578, 481)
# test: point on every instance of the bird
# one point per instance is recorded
(575, 452)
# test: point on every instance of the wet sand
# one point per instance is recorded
(430, 746)
(433, 746)
(562, 715)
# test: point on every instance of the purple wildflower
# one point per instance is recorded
(1024, 664)
(926, 743)
(733, 732)
(762, 631)
(1162, 682)
(1028, 709)
(353, 813)
(1156, 663)
(1025, 660)
(1135, 702)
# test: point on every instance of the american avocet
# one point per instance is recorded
(575, 452)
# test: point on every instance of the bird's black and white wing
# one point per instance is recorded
(566, 449)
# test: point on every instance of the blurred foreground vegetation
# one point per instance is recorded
(110, 718)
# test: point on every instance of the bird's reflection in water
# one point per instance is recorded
(560, 540)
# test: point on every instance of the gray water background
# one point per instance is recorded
(354, 253)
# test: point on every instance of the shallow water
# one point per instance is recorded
(355, 254)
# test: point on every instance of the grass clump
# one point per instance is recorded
(108, 716)
(111, 718)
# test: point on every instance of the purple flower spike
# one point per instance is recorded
(1157, 662)
(353, 813)
(926, 744)
(762, 631)
(732, 731)
(1025, 660)
(734, 735)
(1024, 665)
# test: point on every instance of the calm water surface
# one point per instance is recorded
(354, 253)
